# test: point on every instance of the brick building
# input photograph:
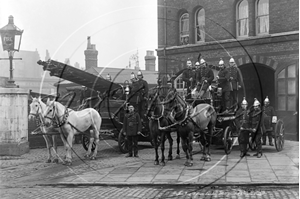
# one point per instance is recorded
(261, 35)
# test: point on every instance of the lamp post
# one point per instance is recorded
(11, 37)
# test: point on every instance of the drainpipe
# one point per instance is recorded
(165, 32)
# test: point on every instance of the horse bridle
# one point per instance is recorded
(38, 117)
(55, 121)
(154, 117)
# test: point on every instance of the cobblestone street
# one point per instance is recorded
(156, 192)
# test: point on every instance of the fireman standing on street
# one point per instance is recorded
(132, 128)
(223, 80)
(255, 118)
(242, 122)
(268, 113)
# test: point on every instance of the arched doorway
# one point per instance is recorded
(259, 82)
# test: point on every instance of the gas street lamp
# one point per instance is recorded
(11, 37)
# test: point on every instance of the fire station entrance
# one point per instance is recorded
(280, 86)
(258, 83)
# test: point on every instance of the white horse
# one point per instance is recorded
(73, 122)
(37, 107)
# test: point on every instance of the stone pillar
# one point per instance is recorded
(13, 121)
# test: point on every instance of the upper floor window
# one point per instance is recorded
(200, 25)
(262, 17)
(242, 23)
(184, 29)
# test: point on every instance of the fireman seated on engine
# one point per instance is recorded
(204, 78)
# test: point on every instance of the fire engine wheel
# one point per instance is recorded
(228, 140)
(279, 135)
(122, 142)
(86, 142)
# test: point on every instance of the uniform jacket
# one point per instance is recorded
(235, 73)
(132, 124)
(205, 73)
(255, 117)
(242, 119)
(268, 113)
(186, 75)
(224, 80)
(139, 91)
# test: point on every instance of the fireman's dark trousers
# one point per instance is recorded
(243, 139)
(233, 97)
(226, 100)
(258, 136)
(270, 136)
(132, 144)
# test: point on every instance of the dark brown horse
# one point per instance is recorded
(156, 120)
(190, 120)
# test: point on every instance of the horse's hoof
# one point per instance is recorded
(162, 163)
(156, 163)
(55, 161)
(48, 161)
(67, 163)
(208, 159)
(93, 158)
(190, 164)
(86, 156)
(203, 158)
(177, 157)
(170, 158)
(186, 164)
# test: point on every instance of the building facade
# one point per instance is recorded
(261, 35)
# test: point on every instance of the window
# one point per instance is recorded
(184, 29)
(262, 17)
(200, 24)
(242, 23)
(179, 85)
(287, 89)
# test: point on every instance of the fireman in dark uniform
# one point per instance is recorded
(255, 118)
(134, 91)
(188, 76)
(143, 93)
(268, 113)
(132, 128)
(204, 77)
(242, 122)
(234, 81)
(223, 80)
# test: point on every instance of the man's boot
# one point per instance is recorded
(264, 139)
(128, 155)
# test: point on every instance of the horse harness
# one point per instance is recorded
(56, 122)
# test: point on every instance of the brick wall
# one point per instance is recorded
(220, 18)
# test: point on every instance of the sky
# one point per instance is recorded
(118, 28)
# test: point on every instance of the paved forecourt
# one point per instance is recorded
(113, 168)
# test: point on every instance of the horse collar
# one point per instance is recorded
(56, 123)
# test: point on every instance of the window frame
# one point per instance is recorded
(238, 20)
(197, 26)
(256, 18)
(181, 34)
(286, 96)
